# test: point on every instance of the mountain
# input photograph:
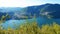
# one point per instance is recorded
(45, 10)
(14, 13)
(52, 10)
(48, 10)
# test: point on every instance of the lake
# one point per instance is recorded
(16, 23)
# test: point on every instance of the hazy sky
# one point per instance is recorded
(24, 3)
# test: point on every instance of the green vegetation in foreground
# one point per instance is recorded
(3, 18)
(33, 28)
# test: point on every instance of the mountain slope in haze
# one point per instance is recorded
(53, 10)
(46, 10)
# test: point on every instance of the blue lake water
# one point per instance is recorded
(15, 23)
(42, 21)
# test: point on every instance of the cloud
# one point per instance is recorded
(18, 3)
(24, 3)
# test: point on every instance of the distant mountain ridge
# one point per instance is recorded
(27, 12)
(47, 9)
